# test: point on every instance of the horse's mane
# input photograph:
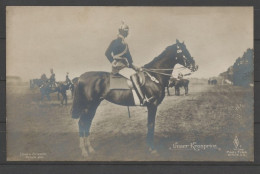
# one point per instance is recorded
(156, 59)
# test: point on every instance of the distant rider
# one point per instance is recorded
(67, 81)
(44, 80)
(52, 79)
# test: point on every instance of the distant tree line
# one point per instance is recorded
(241, 73)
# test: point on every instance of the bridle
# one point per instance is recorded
(157, 71)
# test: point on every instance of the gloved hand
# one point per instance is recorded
(135, 67)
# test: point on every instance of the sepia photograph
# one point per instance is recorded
(110, 83)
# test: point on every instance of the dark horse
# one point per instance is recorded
(177, 84)
(60, 88)
(212, 81)
(35, 82)
(93, 87)
(46, 89)
(72, 86)
(63, 87)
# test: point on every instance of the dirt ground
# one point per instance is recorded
(209, 115)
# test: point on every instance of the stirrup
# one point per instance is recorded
(145, 101)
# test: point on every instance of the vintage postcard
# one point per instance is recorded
(129, 83)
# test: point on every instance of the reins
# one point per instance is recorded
(156, 71)
(167, 69)
(153, 71)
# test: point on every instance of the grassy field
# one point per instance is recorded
(209, 115)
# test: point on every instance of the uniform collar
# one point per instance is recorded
(122, 37)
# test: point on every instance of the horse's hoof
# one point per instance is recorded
(153, 151)
(91, 150)
(85, 154)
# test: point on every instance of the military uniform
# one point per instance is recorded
(118, 54)
(52, 80)
(68, 81)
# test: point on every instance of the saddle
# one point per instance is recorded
(120, 82)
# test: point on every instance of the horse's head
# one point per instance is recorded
(184, 58)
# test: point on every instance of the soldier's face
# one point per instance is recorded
(125, 33)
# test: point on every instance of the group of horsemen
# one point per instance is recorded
(51, 82)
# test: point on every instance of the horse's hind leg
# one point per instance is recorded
(177, 91)
(72, 92)
(186, 90)
(84, 127)
(150, 125)
(64, 98)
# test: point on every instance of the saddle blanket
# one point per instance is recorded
(120, 82)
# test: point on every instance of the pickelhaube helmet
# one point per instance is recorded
(123, 27)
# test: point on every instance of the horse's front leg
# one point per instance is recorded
(58, 95)
(48, 96)
(150, 125)
(168, 91)
(65, 97)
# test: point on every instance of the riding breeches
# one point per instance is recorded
(117, 65)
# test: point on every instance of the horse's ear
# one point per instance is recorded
(177, 41)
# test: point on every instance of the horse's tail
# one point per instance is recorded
(79, 100)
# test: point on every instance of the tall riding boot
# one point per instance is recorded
(138, 89)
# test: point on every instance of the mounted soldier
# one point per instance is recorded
(119, 56)
(52, 79)
(68, 81)
(44, 80)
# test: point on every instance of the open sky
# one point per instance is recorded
(74, 39)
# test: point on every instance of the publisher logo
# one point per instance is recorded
(238, 151)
